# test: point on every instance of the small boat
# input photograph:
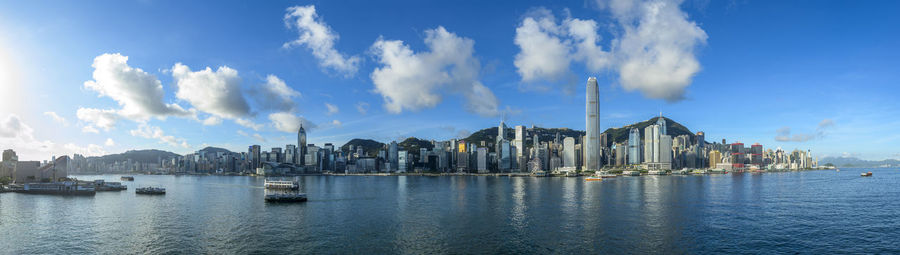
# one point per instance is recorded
(150, 191)
(631, 173)
(866, 174)
(571, 174)
(593, 178)
(657, 172)
(539, 174)
(604, 174)
(127, 178)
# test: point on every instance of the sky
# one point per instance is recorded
(100, 77)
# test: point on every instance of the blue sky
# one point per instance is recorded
(818, 75)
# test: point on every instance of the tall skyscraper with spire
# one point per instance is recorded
(301, 146)
(592, 127)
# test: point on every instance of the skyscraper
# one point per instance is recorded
(634, 146)
(592, 127)
(301, 145)
(662, 124)
(569, 153)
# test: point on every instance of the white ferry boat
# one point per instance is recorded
(290, 185)
(657, 172)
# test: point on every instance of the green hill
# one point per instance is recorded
(142, 156)
(370, 147)
(619, 135)
(413, 144)
(489, 135)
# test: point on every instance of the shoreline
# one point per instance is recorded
(617, 172)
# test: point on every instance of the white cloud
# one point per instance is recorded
(544, 54)
(289, 122)
(277, 95)
(217, 93)
(97, 118)
(362, 108)
(139, 93)
(248, 124)
(212, 121)
(413, 81)
(332, 109)
(109, 142)
(90, 129)
(784, 134)
(318, 38)
(656, 52)
(653, 54)
(255, 136)
(153, 132)
(57, 118)
(336, 123)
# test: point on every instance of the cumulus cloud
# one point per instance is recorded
(332, 109)
(139, 93)
(653, 54)
(97, 118)
(277, 95)
(109, 142)
(154, 132)
(784, 134)
(413, 81)
(319, 38)
(336, 123)
(362, 108)
(656, 53)
(543, 53)
(57, 118)
(217, 93)
(289, 122)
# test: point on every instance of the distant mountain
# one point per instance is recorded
(856, 162)
(489, 135)
(413, 144)
(211, 149)
(142, 156)
(370, 147)
(619, 135)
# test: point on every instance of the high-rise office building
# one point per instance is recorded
(661, 122)
(634, 146)
(520, 140)
(569, 153)
(255, 152)
(592, 127)
(393, 156)
(501, 131)
(301, 145)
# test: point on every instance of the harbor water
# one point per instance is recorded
(816, 212)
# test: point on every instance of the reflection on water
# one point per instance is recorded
(815, 212)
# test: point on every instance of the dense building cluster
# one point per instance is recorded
(652, 148)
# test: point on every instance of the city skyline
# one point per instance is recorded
(83, 92)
